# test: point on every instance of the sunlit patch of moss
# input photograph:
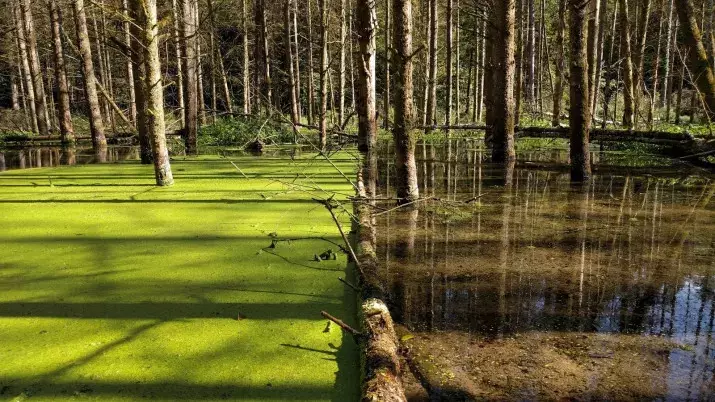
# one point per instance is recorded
(112, 288)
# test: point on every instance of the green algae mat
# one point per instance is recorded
(114, 289)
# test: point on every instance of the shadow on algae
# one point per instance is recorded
(113, 289)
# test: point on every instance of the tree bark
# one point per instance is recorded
(639, 54)
(311, 67)
(96, 125)
(43, 125)
(449, 68)
(700, 67)
(388, 63)
(560, 66)
(579, 113)
(246, 60)
(191, 96)
(432, 92)
(366, 106)
(154, 89)
(628, 90)
(323, 73)
(29, 91)
(664, 92)
(130, 70)
(341, 66)
(406, 168)
(63, 101)
(138, 74)
(531, 55)
(291, 72)
(594, 16)
(501, 128)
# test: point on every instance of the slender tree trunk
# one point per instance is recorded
(14, 92)
(366, 106)
(29, 91)
(594, 19)
(406, 167)
(449, 68)
(458, 67)
(291, 72)
(65, 116)
(639, 83)
(628, 90)
(96, 125)
(671, 79)
(246, 66)
(388, 63)
(297, 57)
(130, 71)
(432, 92)
(531, 55)
(201, 95)
(341, 67)
(191, 96)
(502, 92)
(483, 64)
(311, 67)
(146, 10)
(579, 119)
(608, 89)
(43, 125)
(99, 67)
(323, 73)
(679, 97)
(138, 17)
(519, 84)
(560, 66)
(700, 69)
(664, 92)
(599, 59)
(656, 67)
(212, 60)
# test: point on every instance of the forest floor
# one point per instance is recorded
(114, 289)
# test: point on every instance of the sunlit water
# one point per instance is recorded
(633, 252)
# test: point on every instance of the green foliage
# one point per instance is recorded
(240, 131)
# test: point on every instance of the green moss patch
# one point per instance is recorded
(114, 289)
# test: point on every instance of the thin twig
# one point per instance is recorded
(402, 206)
(239, 169)
(353, 287)
(347, 328)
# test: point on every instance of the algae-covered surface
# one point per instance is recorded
(516, 285)
(114, 289)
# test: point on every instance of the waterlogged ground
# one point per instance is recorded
(113, 289)
(516, 285)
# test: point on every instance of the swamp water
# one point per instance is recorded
(517, 285)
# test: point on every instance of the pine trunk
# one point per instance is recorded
(579, 118)
(366, 16)
(502, 92)
(190, 59)
(63, 101)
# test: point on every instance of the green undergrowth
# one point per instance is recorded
(114, 289)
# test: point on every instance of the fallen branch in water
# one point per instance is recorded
(350, 285)
(402, 206)
(347, 328)
(329, 206)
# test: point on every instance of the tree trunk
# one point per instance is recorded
(366, 107)
(656, 68)
(531, 55)
(14, 92)
(323, 73)
(665, 91)
(639, 83)
(519, 84)
(29, 92)
(311, 67)
(482, 63)
(560, 66)
(432, 92)
(594, 16)
(628, 102)
(297, 58)
(291, 72)
(154, 89)
(458, 67)
(579, 118)
(406, 168)
(63, 101)
(501, 128)
(212, 60)
(130, 70)
(341, 67)
(35, 69)
(138, 74)
(246, 60)
(599, 59)
(191, 96)
(700, 68)
(96, 125)
(388, 63)
(449, 68)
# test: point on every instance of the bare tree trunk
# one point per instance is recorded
(311, 67)
(35, 69)
(246, 66)
(297, 57)
(130, 71)
(531, 55)
(366, 106)
(323, 73)
(656, 68)
(212, 60)
(560, 66)
(191, 96)
(14, 92)
(608, 89)
(639, 83)
(154, 89)
(664, 92)
(96, 125)
(519, 84)
(291, 72)
(457, 84)
(449, 68)
(594, 17)
(341, 67)
(388, 63)
(628, 90)
(503, 41)
(138, 74)
(65, 115)
(679, 98)
(406, 168)
(700, 69)
(432, 83)
(483, 63)
(29, 91)
(579, 119)
(599, 59)
(201, 95)
(101, 76)
(671, 79)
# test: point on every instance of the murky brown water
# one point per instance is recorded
(521, 286)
